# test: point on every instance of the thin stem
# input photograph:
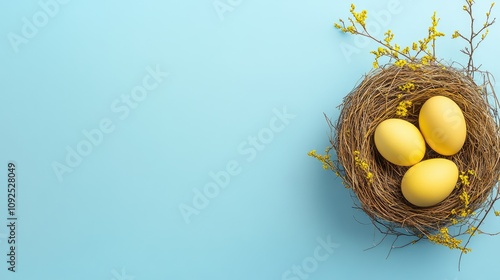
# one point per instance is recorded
(385, 45)
(470, 64)
(469, 51)
(488, 210)
(368, 35)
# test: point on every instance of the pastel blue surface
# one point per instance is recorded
(168, 140)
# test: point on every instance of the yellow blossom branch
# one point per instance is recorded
(401, 56)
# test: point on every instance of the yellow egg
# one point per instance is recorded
(429, 182)
(399, 142)
(442, 124)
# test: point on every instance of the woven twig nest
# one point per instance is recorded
(374, 100)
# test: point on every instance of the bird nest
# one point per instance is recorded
(377, 182)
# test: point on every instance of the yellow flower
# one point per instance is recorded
(485, 34)
(388, 37)
(443, 237)
(324, 159)
(369, 176)
(472, 230)
(400, 63)
(414, 46)
(464, 179)
(465, 211)
(350, 29)
(407, 87)
(363, 166)
(402, 109)
(359, 17)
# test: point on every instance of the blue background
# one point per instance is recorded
(116, 214)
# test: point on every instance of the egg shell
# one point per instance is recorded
(429, 182)
(399, 142)
(442, 124)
